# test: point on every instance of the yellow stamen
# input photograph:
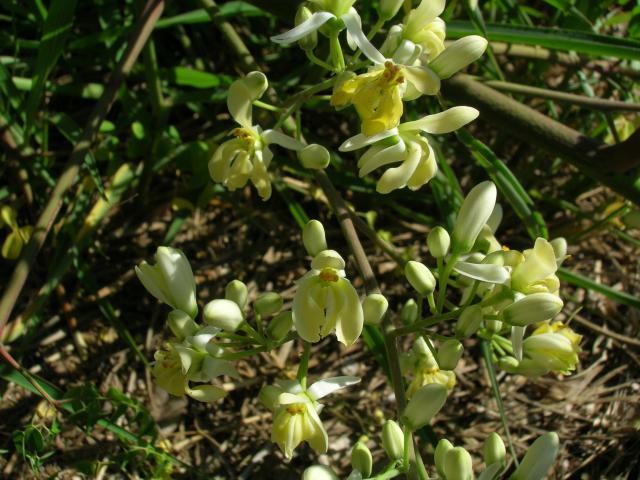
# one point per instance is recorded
(295, 409)
(329, 275)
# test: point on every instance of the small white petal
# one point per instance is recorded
(394, 153)
(352, 21)
(361, 140)
(443, 122)
(313, 23)
(423, 79)
(324, 387)
(483, 271)
(279, 138)
(398, 177)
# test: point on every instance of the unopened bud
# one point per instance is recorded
(374, 306)
(388, 8)
(469, 321)
(280, 325)
(224, 314)
(534, 308)
(310, 41)
(236, 291)
(424, 405)
(493, 326)
(443, 447)
(539, 458)
(409, 312)
(313, 237)
(458, 464)
(268, 303)
(361, 459)
(319, 472)
(458, 55)
(473, 215)
(508, 364)
(559, 249)
(449, 353)
(314, 157)
(181, 324)
(393, 440)
(438, 242)
(494, 450)
(420, 277)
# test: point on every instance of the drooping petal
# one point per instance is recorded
(351, 320)
(398, 177)
(279, 138)
(313, 23)
(483, 272)
(308, 316)
(426, 170)
(206, 393)
(360, 140)
(353, 23)
(316, 434)
(384, 156)
(443, 122)
(423, 79)
(326, 386)
(242, 93)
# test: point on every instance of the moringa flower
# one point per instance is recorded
(406, 146)
(325, 300)
(422, 365)
(247, 156)
(170, 280)
(296, 412)
(536, 272)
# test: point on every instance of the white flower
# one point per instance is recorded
(406, 146)
(296, 412)
(247, 156)
(170, 280)
(325, 300)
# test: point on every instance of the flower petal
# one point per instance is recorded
(423, 79)
(361, 140)
(206, 393)
(308, 316)
(313, 23)
(326, 386)
(517, 336)
(398, 177)
(351, 318)
(279, 138)
(394, 153)
(242, 93)
(483, 272)
(443, 122)
(353, 23)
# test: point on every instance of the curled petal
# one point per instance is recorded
(398, 177)
(242, 93)
(353, 23)
(327, 386)
(483, 272)
(426, 170)
(384, 156)
(279, 138)
(361, 140)
(443, 122)
(313, 23)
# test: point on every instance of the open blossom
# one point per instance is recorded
(405, 146)
(296, 412)
(422, 365)
(325, 300)
(247, 156)
(192, 360)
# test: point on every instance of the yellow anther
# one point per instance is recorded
(295, 409)
(329, 275)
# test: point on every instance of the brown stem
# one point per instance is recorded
(143, 28)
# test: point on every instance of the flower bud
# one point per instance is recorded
(388, 9)
(551, 351)
(508, 364)
(559, 249)
(314, 157)
(268, 303)
(393, 440)
(361, 459)
(319, 472)
(534, 308)
(170, 280)
(539, 458)
(493, 326)
(420, 277)
(206, 393)
(181, 324)
(224, 314)
(473, 215)
(458, 55)
(443, 447)
(236, 291)
(409, 312)
(374, 306)
(438, 242)
(469, 321)
(494, 450)
(310, 41)
(280, 325)
(313, 237)
(424, 405)
(449, 353)
(458, 464)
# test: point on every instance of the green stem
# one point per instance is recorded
(336, 52)
(312, 57)
(486, 352)
(442, 281)
(304, 365)
(432, 303)
(267, 106)
(425, 323)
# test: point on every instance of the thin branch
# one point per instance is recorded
(140, 34)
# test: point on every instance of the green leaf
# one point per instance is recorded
(188, 77)
(585, 282)
(553, 38)
(200, 15)
(54, 34)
